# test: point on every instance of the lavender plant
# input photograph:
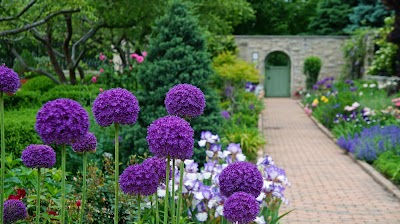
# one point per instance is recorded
(9, 84)
(118, 106)
(38, 156)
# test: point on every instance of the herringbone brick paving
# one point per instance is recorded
(327, 185)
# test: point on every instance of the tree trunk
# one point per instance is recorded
(67, 40)
(52, 55)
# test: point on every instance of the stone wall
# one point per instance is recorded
(328, 48)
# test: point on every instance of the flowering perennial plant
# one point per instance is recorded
(115, 106)
(171, 136)
(88, 143)
(185, 100)
(14, 210)
(241, 208)
(139, 180)
(38, 156)
(158, 165)
(9, 80)
(61, 121)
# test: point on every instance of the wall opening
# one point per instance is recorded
(277, 75)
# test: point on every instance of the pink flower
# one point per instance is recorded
(139, 59)
(134, 55)
(102, 57)
(78, 203)
(397, 104)
(94, 79)
(144, 53)
(101, 90)
(308, 110)
(101, 70)
(352, 107)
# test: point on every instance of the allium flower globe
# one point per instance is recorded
(9, 80)
(138, 180)
(61, 121)
(241, 208)
(241, 176)
(158, 165)
(185, 100)
(171, 135)
(38, 156)
(88, 143)
(14, 210)
(115, 106)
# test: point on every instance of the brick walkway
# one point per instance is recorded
(327, 185)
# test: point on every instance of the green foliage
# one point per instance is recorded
(312, 67)
(331, 17)
(250, 139)
(84, 94)
(233, 70)
(28, 59)
(23, 99)
(20, 130)
(217, 45)
(176, 54)
(368, 13)
(388, 163)
(384, 60)
(40, 83)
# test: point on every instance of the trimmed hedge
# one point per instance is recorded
(20, 130)
(23, 99)
(84, 94)
(40, 83)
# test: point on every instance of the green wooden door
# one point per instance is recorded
(277, 81)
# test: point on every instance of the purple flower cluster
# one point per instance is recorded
(61, 121)
(139, 180)
(88, 143)
(38, 156)
(171, 135)
(159, 166)
(371, 142)
(325, 83)
(241, 208)
(225, 114)
(185, 100)
(9, 80)
(241, 176)
(115, 106)
(250, 87)
(14, 210)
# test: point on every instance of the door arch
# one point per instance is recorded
(277, 75)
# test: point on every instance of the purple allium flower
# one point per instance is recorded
(171, 135)
(225, 114)
(159, 166)
(328, 85)
(241, 208)
(352, 89)
(241, 176)
(88, 143)
(62, 121)
(139, 179)
(9, 80)
(115, 106)
(14, 210)
(315, 87)
(185, 100)
(38, 156)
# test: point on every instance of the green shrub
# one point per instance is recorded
(20, 130)
(312, 67)
(250, 139)
(40, 83)
(388, 163)
(23, 99)
(84, 94)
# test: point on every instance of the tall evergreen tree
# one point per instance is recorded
(177, 54)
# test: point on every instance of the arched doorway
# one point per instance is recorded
(277, 75)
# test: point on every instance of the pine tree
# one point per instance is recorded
(177, 54)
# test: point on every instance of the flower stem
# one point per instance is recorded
(138, 212)
(63, 162)
(116, 174)
(3, 155)
(157, 215)
(166, 198)
(84, 188)
(178, 212)
(38, 197)
(173, 192)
